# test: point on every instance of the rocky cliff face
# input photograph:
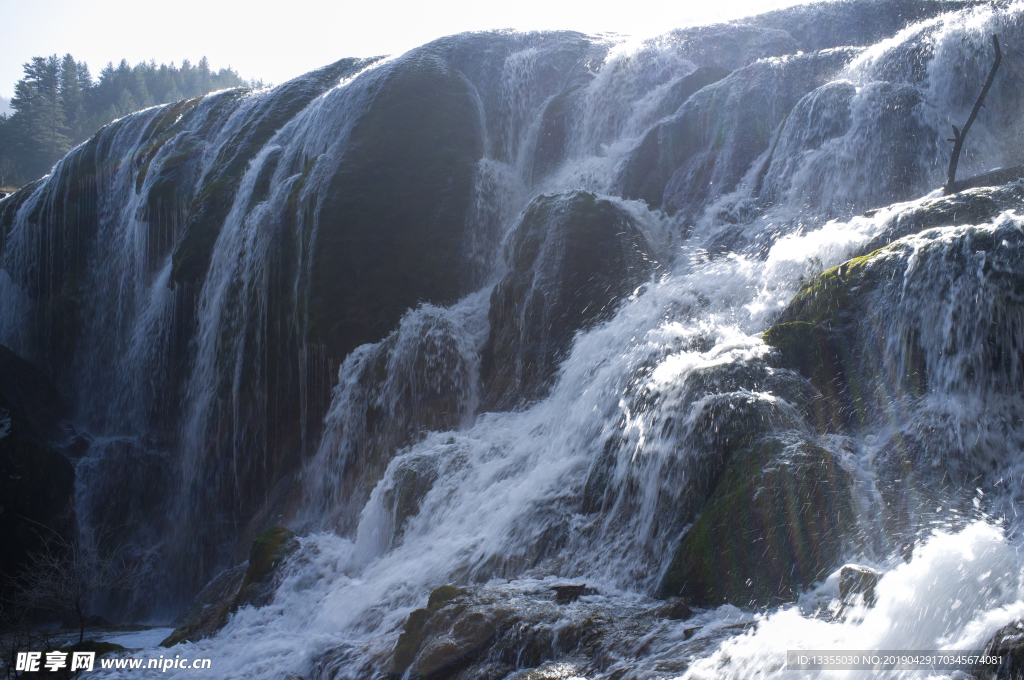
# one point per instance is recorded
(671, 320)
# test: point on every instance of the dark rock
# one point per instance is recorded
(209, 610)
(573, 258)
(684, 162)
(267, 554)
(441, 595)
(209, 205)
(856, 580)
(676, 609)
(460, 630)
(29, 396)
(79, 446)
(569, 593)
(252, 583)
(36, 481)
(647, 170)
(988, 179)
(778, 520)
(1007, 643)
(394, 218)
(554, 132)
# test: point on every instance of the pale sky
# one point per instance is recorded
(278, 41)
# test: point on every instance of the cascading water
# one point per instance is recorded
(346, 305)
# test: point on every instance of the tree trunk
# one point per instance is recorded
(958, 134)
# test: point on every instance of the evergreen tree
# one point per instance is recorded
(71, 97)
(57, 104)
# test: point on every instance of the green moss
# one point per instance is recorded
(410, 639)
(775, 523)
(442, 595)
(267, 552)
(825, 299)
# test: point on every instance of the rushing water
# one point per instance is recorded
(788, 151)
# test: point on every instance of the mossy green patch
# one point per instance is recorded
(410, 639)
(441, 595)
(776, 522)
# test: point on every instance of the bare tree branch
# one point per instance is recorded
(959, 135)
(64, 576)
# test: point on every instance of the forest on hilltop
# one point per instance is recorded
(58, 105)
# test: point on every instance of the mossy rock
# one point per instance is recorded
(442, 595)
(972, 206)
(778, 520)
(817, 355)
(463, 635)
(208, 612)
(573, 257)
(266, 555)
(252, 583)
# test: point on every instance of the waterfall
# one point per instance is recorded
(340, 305)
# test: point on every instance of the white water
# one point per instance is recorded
(499, 486)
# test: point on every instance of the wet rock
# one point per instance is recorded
(1008, 643)
(645, 173)
(267, 554)
(393, 221)
(554, 132)
(972, 206)
(448, 635)
(573, 258)
(209, 204)
(29, 396)
(683, 163)
(209, 610)
(569, 593)
(676, 609)
(855, 580)
(778, 520)
(251, 583)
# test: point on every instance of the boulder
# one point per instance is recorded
(252, 583)
(208, 612)
(393, 220)
(855, 580)
(705, 148)
(1008, 644)
(572, 258)
(777, 521)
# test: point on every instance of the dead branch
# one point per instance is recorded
(960, 134)
(64, 576)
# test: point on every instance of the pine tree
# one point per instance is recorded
(71, 97)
